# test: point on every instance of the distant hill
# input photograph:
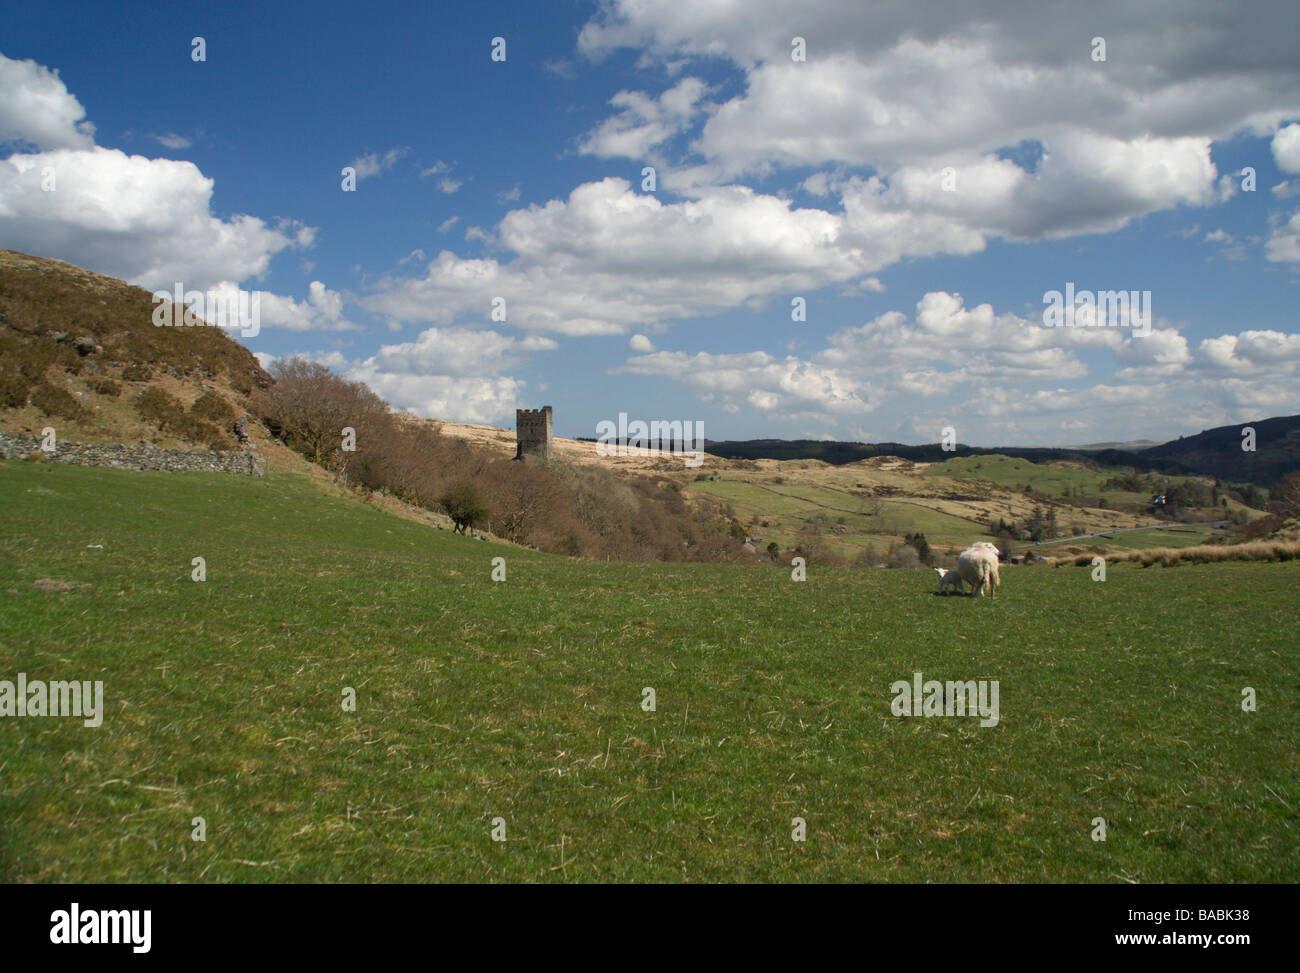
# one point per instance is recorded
(840, 453)
(1217, 452)
(1134, 446)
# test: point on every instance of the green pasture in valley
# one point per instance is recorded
(520, 706)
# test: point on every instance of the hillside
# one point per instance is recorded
(839, 453)
(1218, 452)
(1215, 453)
(79, 351)
(1132, 446)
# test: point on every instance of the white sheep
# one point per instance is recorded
(949, 579)
(978, 565)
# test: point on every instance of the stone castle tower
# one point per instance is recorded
(533, 435)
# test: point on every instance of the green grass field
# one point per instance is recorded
(522, 699)
(1188, 535)
(1054, 479)
(1050, 479)
(790, 508)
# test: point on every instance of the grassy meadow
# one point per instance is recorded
(790, 507)
(865, 507)
(521, 700)
(1182, 535)
(1050, 479)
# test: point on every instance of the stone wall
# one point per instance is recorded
(140, 457)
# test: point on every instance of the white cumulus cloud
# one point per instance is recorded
(37, 108)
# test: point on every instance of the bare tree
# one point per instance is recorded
(309, 407)
(1286, 496)
(521, 497)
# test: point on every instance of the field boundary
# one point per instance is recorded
(144, 456)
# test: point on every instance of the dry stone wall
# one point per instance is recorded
(139, 457)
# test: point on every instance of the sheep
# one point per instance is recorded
(992, 580)
(949, 579)
(978, 565)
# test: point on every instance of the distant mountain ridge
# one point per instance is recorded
(1215, 452)
(1219, 452)
(839, 453)
(1132, 446)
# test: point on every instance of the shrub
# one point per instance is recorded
(156, 406)
(56, 402)
(242, 382)
(921, 545)
(212, 407)
(14, 389)
(867, 559)
(33, 358)
(137, 373)
(904, 556)
(106, 386)
(194, 430)
(465, 505)
(1259, 527)
(217, 439)
(1007, 544)
(1129, 482)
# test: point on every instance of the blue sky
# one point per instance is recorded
(920, 178)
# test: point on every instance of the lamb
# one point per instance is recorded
(978, 565)
(949, 579)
